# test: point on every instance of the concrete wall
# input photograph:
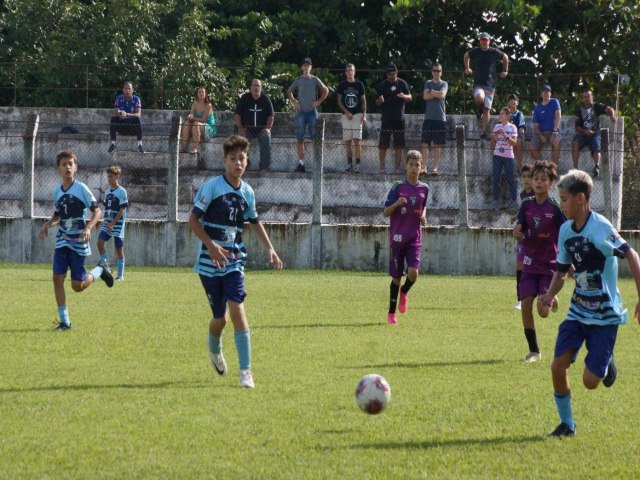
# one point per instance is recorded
(448, 250)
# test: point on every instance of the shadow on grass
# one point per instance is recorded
(322, 325)
(24, 330)
(462, 442)
(127, 386)
(425, 364)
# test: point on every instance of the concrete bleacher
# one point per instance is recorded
(282, 195)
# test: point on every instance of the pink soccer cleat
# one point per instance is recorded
(391, 319)
(404, 298)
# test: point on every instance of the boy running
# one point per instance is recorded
(72, 199)
(115, 216)
(406, 205)
(591, 245)
(222, 206)
(539, 221)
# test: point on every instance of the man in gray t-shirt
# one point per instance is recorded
(306, 93)
(434, 127)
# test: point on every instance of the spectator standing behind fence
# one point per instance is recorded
(127, 118)
(254, 119)
(546, 126)
(200, 122)
(517, 118)
(353, 103)
(484, 59)
(505, 136)
(306, 93)
(434, 126)
(588, 129)
(393, 93)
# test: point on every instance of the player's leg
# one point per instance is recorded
(217, 302)
(347, 147)
(186, 132)
(478, 96)
(595, 153)
(196, 134)
(357, 152)
(264, 139)
(528, 292)
(396, 271)
(486, 112)
(555, 148)
(568, 343)
(517, 151)
(235, 293)
(599, 364)
(81, 280)
(398, 145)
(103, 237)
(356, 134)
(437, 153)
(301, 127)
(534, 147)
(412, 258)
(119, 244)
(426, 140)
(575, 152)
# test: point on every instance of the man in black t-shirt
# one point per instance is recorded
(254, 119)
(353, 103)
(393, 93)
(483, 59)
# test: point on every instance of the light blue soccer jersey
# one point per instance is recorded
(71, 206)
(223, 210)
(593, 252)
(115, 200)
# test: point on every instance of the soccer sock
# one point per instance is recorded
(104, 256)
(243, 345)
(518, 278)
(63, 313)
(532, 339)
(393, 297)
(215, 343)
(407, 286)
(563, 404)
(139, 142)
(301, 162)
(96, 272)
(121, 267)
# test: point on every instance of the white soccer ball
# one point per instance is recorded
(373, 394)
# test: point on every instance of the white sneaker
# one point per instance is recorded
(118, 279)
(533, 357)
(518, 306)
(218, 363)
(246, 379)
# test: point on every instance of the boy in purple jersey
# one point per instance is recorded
(527, 192)
(539, 221)
(406, 205)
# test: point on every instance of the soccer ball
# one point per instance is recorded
(373, 394)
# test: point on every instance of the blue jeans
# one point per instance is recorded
(264, 139)
(507, 165)
(304, 119)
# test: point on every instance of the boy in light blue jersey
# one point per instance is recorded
(589, 245)
(72, 200)
(222, 206)
(115, 216)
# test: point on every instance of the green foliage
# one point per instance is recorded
(129, 393)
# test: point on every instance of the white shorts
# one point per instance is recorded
(352, 128)
(487, 93)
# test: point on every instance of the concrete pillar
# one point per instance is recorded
(316, 216)
(463, 209)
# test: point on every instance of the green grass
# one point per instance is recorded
(129, 393)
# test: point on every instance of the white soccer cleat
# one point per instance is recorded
(246, 379)
(218, 363)
(518, 306)
(533, 357)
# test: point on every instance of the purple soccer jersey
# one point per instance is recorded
(540, 226)
(405, 221)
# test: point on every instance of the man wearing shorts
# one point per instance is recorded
(353, 103)
(434, 127)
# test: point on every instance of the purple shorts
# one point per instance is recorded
(519, 252)
(534, 284)
(221, 289)
(599, 339)
(64, 259)
(401, 253)
(106, 236)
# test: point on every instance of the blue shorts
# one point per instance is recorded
(304, 120)
(401, 253)
(66, 258)
(221, 289)
(599, 339)
(593, 142)
(106, 236)
(434, 131)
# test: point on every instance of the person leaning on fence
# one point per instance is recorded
(434, 127)
(546, 126)
(254, 119)
(126, 121)
(484, 59)
(353, 103)
(306, 93)
(588, 129)
(517, 118)
(393, 93)
(199, 123)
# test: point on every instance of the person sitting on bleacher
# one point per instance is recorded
(127, 118)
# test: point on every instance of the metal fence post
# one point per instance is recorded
(463, 209)
(173, 168)
(30, 134)
(606, 173)
(316, 216)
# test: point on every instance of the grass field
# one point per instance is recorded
(129, 393)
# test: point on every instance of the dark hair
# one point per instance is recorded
(547, 167)
(515, 97)
(235, 142)
(576, 181)
(526, 168)
(66, 154)
(127, 82)
(206, 96)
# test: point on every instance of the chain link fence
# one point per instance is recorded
(162, 181)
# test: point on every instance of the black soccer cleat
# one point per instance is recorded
(596, 171)
(107, 275)
(563, 430)
(612, 374)
(63, 327)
